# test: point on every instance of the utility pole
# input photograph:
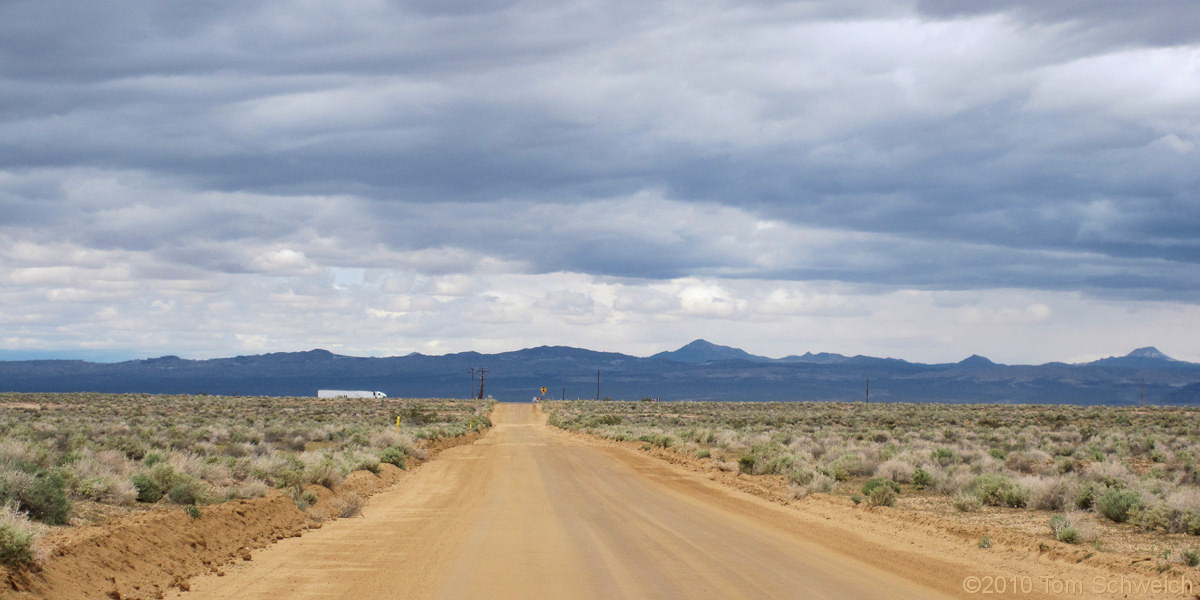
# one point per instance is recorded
(868, 401)
(471, 391)
(482, 373)
(564, 397)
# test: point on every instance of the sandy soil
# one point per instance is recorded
(532, 512)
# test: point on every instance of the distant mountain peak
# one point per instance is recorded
(1148, 357)
(976, 360)
(1148, 352)
(702, 351)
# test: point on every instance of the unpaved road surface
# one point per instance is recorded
(532, 512)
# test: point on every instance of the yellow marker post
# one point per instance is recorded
(397, 424)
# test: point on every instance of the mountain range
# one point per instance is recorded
(698, 371)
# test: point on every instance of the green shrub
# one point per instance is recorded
(1116, 504)
(994, 489)
(148, 490)
(836, 472)
(1152, 517)
(921, 478)
(703, 453)
(393, 456)
(943, 456)
(188, 491)
(16, 542)
(324, 472)
(602, 420)
(746, 463)
(1016, 497)
(1191, 523)
(164, 475)
(1191, 558)
(45, 498)
(367, 463)
(871, 484)
(856, 499)
(1064, 530)
(985, 542)
(133, 449)
(657, 439)
(849, 465)
(882, 495)
(192, 511)
(1085, 497)
(801, 476)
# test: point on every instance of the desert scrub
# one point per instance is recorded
(882, 495)
(1064, 529)
(967, 503)
(1117, 504)
(18, 537)
(994, 489)
(921, 478)
(871, 485)
(122, 449)
(37, 491)
(1044, 457)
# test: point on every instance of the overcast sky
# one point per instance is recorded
(921, 179)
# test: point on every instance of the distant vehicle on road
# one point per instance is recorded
(349, 394)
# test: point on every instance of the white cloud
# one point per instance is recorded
(283, 261)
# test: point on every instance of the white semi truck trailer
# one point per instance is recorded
(349, 394)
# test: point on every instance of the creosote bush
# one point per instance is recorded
(1116, 504)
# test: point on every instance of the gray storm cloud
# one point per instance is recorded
(234, 158)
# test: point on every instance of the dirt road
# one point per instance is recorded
(532, 512)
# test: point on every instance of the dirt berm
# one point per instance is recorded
(142, 556)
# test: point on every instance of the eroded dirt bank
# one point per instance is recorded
(145, 555)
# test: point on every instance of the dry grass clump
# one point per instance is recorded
(1073, 527)
(1139, 465)
(348, 505)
